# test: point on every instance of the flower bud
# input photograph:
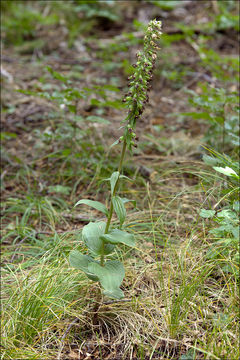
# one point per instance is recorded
(137, 96)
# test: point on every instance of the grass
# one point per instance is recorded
(175, 294)
(179, 301)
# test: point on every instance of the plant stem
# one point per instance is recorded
(115, 189)
(109, 218)
(102, 255)
(111, 204)
(122, 156)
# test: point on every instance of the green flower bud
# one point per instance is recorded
(139, 81)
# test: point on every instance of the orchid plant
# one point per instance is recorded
(101, 237)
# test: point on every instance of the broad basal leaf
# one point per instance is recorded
(119, 208)
(119, 237)
(91, 236)
(110, 276)
(95, 204)
(81, 262)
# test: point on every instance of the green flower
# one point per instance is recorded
(139, 82)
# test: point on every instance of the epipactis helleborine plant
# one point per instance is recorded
(100, 237)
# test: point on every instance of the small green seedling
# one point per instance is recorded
(100, 237)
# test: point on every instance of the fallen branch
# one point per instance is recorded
(80, 217)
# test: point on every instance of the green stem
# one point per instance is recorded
(111, 204)
(122, 156)
(115, 189)
(102, 255)
(109, 218)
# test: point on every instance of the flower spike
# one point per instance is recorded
(139, 86)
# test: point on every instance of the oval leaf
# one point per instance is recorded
(91, 236)
(113, 180)
(119, 208)
(95, 204)
(81, 262)
(110, 276)
(117, 236)
(226, 171)
(207, 214)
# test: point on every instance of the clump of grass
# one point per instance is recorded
(35, 302)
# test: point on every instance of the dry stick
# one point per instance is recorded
(80, 217)
(116, 301)
(18, 248)
(76, 320)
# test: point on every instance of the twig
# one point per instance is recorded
(3, 174)
(115, 301)
(17, 249)
(195, 79)
(76, 320)
(80, 217)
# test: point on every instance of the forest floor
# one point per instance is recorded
(179, 304)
